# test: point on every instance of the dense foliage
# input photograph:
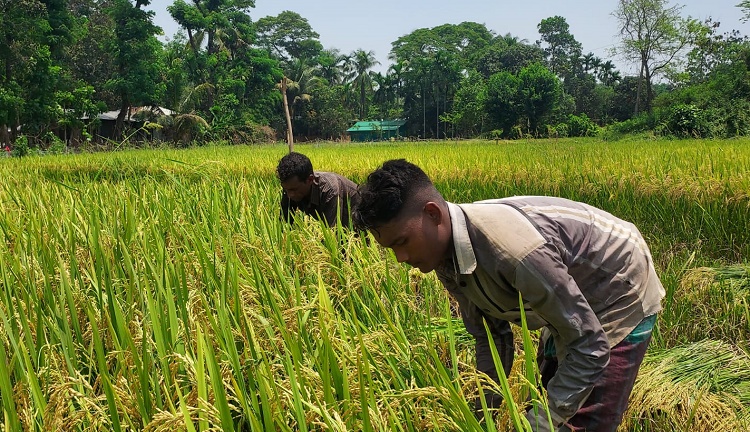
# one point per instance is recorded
(62, 62)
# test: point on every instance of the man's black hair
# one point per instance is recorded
(387, 191)
(294, 165)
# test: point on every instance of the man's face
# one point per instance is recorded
(298, 190)
(420, 239)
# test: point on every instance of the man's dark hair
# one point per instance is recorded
(294, 165)
(387, 192)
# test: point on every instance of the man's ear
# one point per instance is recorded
(432, 209)
(310, 178)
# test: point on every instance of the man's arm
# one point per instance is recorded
(329, 207)
(335, 199)
(544, 283)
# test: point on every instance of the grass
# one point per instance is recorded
(157, 290)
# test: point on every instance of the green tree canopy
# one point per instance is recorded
(465, 41)
(507, 53)
(288, 37)
(540, 91)
(503, 104)
(230, 82)
(136, 52)
(560, 46)
(653, 35)
(469, 116)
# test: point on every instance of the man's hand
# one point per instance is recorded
(540, 423)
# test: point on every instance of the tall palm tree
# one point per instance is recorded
(607, 73)
(614, 78)
(396, 75)
(300, 79)
(511, 40)
(382, 95)
(596, 64)
(588, 62)
(332, 66)
(303, 79)
(396, 72)
(363, 61)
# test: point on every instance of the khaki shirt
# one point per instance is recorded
(331, 195)
(585, 275)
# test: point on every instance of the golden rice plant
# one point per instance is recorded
(155, 290)
(700, 386)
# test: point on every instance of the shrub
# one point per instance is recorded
(21, 146)
(686, 120)
(249, 133)
(516, 133)
(579, 126)
(56, 145)
(562, 130)
(737, 117)
(189, 128)
(642, 123)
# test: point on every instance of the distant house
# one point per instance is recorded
(382, 130)
(134, 119)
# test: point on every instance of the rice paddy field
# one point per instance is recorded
(157, 290)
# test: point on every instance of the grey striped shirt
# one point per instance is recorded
(582, 273)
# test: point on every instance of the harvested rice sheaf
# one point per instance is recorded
(719, 301)
(697, 387)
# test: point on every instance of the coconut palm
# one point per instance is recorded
(607, 74)
(588, 62)
(510, 40)
(363, 61)
(332, 66)
(596, 64)
(302, 78)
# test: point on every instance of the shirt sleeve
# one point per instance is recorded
(548, 289)
(329, 206)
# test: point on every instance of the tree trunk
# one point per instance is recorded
(289, 135)
(4, 136)
(649, 90)
(424, 116)
(362, 101)
(437, 114)
(639, 92)
(120, 122)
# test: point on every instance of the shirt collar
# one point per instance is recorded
(464, 252)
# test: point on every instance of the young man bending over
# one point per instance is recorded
(323, 195)
(585, 276)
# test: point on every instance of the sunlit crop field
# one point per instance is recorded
(157, 290)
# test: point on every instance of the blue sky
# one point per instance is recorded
(350, 24)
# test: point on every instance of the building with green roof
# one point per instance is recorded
(382, 130)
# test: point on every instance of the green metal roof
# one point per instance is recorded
(369, 126)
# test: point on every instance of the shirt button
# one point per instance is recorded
(463, 284)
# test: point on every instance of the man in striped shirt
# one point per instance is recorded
(585, 277)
